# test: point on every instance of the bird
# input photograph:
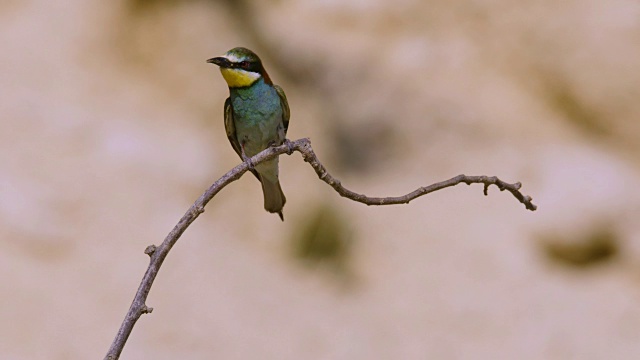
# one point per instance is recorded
(256, 116)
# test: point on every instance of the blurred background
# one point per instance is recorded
(112, 126)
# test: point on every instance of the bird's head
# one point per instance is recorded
(240, 67)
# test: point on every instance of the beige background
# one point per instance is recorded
(112, 126)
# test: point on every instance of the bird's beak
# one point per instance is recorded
(223, 62)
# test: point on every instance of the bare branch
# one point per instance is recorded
(304, 146)
(159, 253)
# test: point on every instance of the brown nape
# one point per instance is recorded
(265, 76)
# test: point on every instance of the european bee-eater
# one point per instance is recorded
(256, 116)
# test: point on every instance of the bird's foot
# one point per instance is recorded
(247, 159)
(290, 147)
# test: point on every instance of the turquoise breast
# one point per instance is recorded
(257, 115)
(255, 103)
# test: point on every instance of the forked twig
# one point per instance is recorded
(159, 253)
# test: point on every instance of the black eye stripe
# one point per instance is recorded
(245, 65)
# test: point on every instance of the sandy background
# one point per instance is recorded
(111, 126)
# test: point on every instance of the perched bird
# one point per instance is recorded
(256, 116)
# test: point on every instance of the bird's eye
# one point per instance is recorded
(244, 64)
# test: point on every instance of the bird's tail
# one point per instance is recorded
(273, 196)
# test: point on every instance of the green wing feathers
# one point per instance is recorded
(230, 129)
(285, 107)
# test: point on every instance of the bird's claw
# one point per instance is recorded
(250, 163)
(289, 146)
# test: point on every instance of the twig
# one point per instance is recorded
(158, 254)
(309, 156)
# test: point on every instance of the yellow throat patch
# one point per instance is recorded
(239, 77)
